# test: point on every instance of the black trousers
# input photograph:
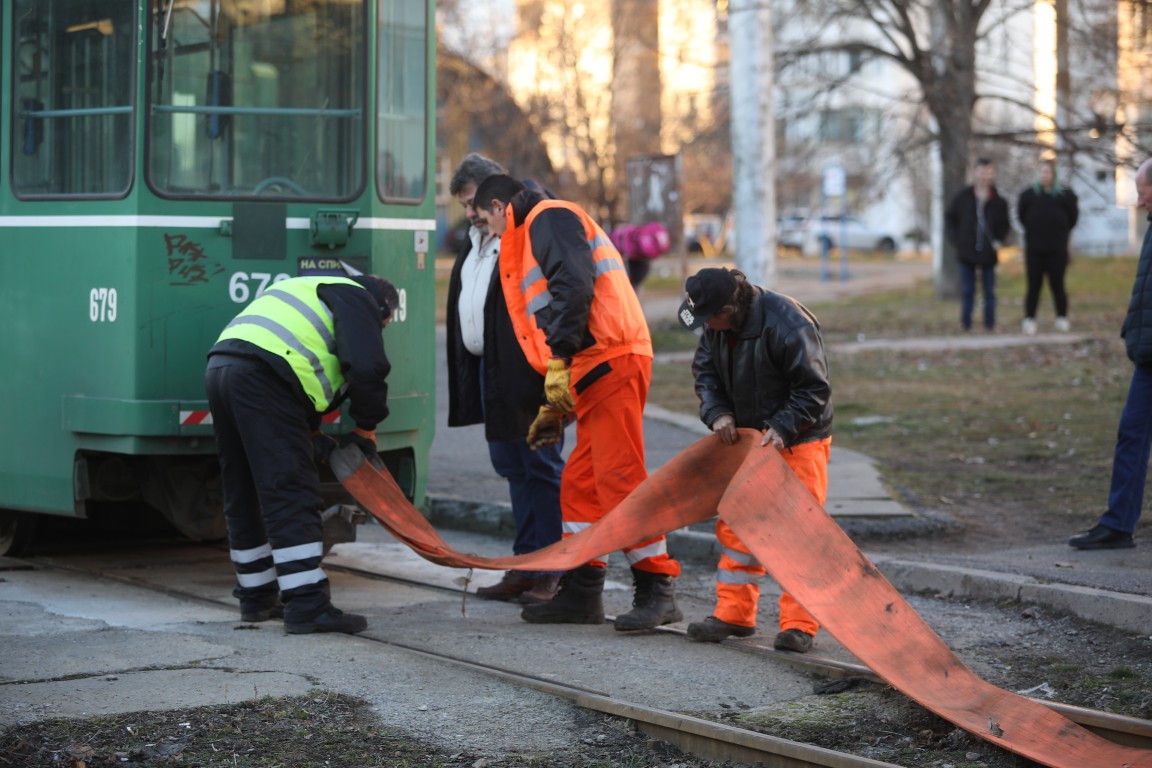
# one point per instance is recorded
(1054, 264)
(271, 486)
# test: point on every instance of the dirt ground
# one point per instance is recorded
(1017, 648)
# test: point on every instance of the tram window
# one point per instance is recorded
(402, 122)
(73, 94)
(257, 98)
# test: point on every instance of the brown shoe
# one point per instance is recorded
(543, 590)
(508, 588)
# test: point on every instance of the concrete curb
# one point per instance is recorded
(1128, 612)
(1132, 613)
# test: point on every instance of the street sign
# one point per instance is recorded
(835, 181)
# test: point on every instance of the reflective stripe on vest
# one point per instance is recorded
(616, 320)
(290, 321)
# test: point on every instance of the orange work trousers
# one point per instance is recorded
(738, 574)
(608, 460)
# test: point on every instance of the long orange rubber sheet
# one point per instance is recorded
(809, 556)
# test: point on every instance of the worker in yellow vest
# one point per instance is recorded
(580, 324)
(296, 352)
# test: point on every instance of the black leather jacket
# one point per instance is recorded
(771, 373)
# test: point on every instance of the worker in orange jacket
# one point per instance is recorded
(760, 364)
(580, 324)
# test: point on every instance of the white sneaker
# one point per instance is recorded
(1061, 325)
(1028, 326)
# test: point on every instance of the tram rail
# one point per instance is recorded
(700, 737)
(1121, 729)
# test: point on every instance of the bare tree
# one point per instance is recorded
(636, 86)
(560, 72)
(476, 113)
(934, 41)
(964, 104)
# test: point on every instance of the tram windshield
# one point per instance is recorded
(257, 98)
(73, 95)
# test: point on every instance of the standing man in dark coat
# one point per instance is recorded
(975, 223)
(1047, 212)
(491, 382)
(1134, 435)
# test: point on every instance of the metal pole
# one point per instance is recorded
(753, 140)
(844, 236)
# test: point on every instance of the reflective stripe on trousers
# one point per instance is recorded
(271, 494)
(738, 574)
(608, 460)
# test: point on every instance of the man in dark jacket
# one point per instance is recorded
(491, 382)
(975, 223)
(760, 364)
(295, 353)
(1047, 212)
(1134, 435)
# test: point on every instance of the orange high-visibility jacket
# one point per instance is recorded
(614, 324)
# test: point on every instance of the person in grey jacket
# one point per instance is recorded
(760, 364)
(1134, 434)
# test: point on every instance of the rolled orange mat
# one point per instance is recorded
(809, 556)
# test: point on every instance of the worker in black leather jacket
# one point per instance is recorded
(760, 364)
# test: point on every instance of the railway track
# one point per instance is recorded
(703, 738)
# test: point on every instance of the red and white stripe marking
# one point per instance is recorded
(192, 418)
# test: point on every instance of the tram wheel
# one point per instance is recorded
(17, 530)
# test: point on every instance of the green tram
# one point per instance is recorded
(164, 161)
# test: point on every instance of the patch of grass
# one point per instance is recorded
(671, 337)
(874, 723)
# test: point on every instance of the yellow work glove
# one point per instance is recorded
(546, 429)
(556, 390)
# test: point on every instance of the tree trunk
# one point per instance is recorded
(636, 107)
(950, 93)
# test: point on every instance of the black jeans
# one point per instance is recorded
(1038, 264)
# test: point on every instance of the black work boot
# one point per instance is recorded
(713, 630)
(331, 620)
(579, 600)
(254, 610)
(653, 605)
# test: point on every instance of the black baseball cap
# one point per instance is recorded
(706, 293)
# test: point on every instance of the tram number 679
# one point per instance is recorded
(240, 285)
(102, 305)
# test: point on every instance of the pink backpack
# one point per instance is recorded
(652, 240)
(624, 238)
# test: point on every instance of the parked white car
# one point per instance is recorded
(808, 235)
